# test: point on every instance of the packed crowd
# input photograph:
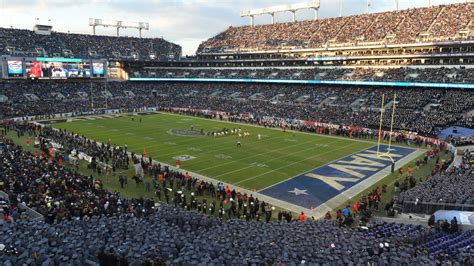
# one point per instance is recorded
(419, 110)
(451, 186)
(57, 192)
(110, 229)
(168, 185)
(404, 26)
(439, 75)
(179, 237)
(28, 43)
(144, 233)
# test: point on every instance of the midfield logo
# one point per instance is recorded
(184, 157)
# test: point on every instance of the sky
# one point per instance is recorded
(185, 22)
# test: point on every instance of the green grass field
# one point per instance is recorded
(255, 165)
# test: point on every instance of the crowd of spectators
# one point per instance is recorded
(57, 192)
(417, 110)
(111, 230)
(175, 236)
(52, 199)
(445, 186)
(413, 74)
(28, 43)
(405, 26)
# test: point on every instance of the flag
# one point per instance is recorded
(144, 152)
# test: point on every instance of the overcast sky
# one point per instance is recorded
(186, 22)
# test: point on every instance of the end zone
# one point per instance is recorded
(326, 183)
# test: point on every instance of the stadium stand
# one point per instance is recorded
(85, 223)
(411, 74)
(115, 230)
(436, 23)
(420, 110)
(446, 186)
(18, 42)
(181, 237)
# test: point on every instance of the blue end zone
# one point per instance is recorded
(317, 186)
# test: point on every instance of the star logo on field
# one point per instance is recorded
(299, 191)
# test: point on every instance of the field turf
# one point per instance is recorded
(257, 164)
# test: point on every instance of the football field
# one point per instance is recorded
(303, 169)
(255, 165)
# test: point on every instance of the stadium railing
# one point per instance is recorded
(431, 207)
(34, 215)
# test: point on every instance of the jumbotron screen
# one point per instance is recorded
(15, 68)
(57, 70)
(98, 69)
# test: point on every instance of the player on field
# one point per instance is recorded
(238, 143)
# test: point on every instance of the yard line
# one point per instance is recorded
(286, 155)
(211, 144)
(279, 129)
(182, 142)
(276, 169)
(131, 147)
(210, 140)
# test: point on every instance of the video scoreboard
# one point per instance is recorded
(52, 68)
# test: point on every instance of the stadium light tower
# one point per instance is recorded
(93, 22)
(340, 7)
(316, 13)
(314, 4)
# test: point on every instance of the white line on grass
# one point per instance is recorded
(256, 155)
(293, 163)
(273, 159)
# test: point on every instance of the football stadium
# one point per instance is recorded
(318, 132)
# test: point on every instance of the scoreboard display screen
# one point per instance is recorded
(98, 69)
(52, 68)
(15, 68)
(57, 70)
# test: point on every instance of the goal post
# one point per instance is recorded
(388, 152)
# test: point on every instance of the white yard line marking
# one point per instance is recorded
(270, 151)
(293, 163)
(276, 158)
